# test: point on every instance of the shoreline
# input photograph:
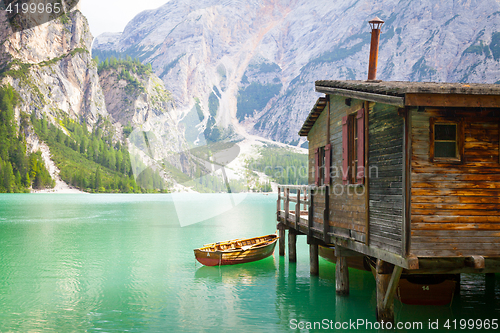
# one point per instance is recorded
(77, 191)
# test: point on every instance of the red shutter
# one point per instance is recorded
(360, 173)
(328, 157)
(345, 150)
(316, 167)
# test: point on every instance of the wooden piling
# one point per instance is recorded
(313, 256)
(292, 245)
(387, 278)
(281, 241)
(342, 276)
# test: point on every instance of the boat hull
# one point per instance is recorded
(433, 289)
(424, 289)
(235, 256)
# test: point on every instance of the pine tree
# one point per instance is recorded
(26, 181)
(8, 178)
(97, 179)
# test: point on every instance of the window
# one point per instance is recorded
(353, 146)
(322, 165)
(319, 161)
(446, 140)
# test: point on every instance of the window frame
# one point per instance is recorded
(353, 147)
(460, 138)
(322, 161)
(321, 168)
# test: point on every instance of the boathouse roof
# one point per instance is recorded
(400, 88)
(402, 94)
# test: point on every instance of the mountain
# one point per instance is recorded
(249, 67)
(108, 127)
(213, 81)
(51, 100)
(51, 68)
(144, 112)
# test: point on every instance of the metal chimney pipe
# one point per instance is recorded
(375, 24)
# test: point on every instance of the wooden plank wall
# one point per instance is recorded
(317, 138)
(347, 211)
(455, 208)
(386, 132)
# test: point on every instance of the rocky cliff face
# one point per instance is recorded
(52, 69)
(143, 110)
(252, 65)
(133, 94)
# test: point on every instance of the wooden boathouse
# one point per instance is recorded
(407, 173)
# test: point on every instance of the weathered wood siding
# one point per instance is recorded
(455, 208)
(317, 138)
(386, 133)
(347, 210)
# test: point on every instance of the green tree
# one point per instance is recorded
(8, 177)
(97, 179)
(26, 181)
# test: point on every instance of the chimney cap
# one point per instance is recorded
(376, 23)
(376, 20)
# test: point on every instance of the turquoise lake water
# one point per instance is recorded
(116, 263)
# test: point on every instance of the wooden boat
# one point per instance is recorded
(236, 251)
(426, 289)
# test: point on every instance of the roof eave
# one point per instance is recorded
(318, 107)
(366, 96)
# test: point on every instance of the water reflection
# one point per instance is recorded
(246, 274)
(305, 298)
(230, 296)
(310, 299)
(133, 268)
(479, 296)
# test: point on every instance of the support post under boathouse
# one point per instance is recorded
(403, 174)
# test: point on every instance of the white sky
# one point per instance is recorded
(113, 15)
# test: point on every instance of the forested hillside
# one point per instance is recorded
(283, 166)
(90, 161)
(52, 96)
(19, 171)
